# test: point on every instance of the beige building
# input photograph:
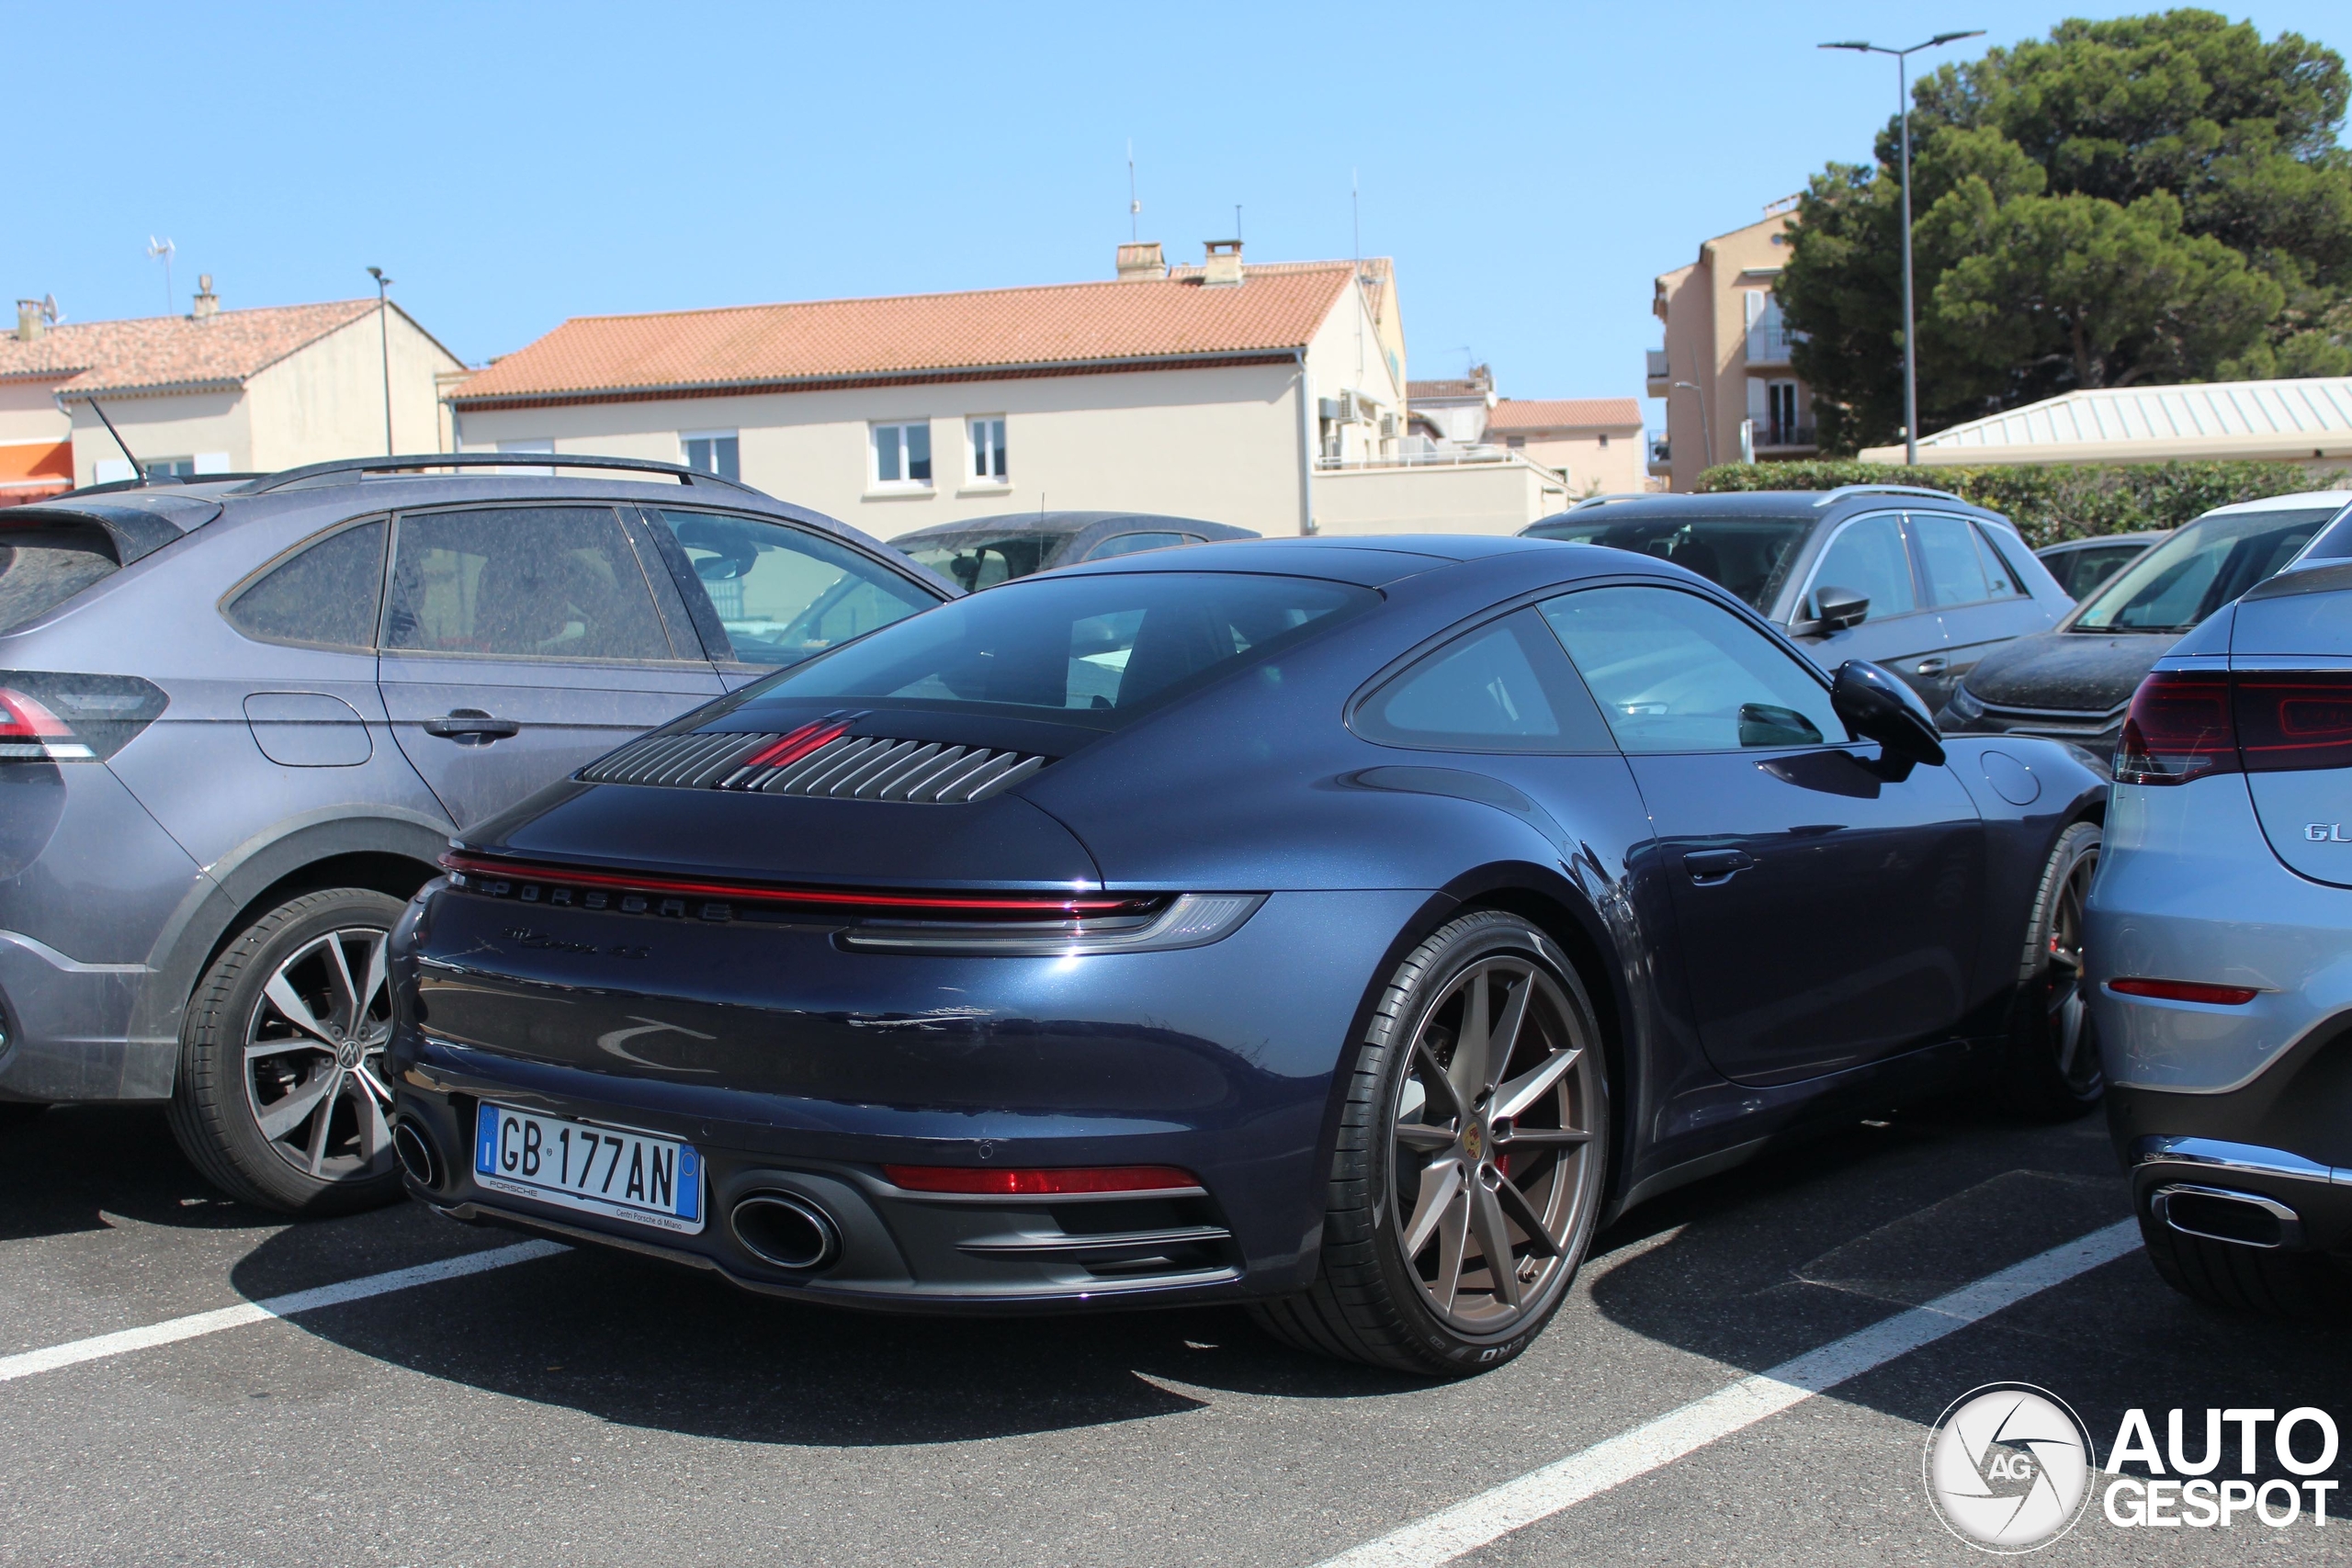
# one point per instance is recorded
(221, 391)
(2307, 419)
(1593, 444)
(1730, 394)
(1222, 391)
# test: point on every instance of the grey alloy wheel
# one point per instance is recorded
(313, 1058)
(1493, 1159)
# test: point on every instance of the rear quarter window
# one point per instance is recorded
(41, 568)
(326, 595)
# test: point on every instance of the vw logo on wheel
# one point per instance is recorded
(2008, 1467)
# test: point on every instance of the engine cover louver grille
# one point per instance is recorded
(849, 767)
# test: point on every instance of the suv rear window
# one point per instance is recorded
(42, 566)
(1095, 648)
(1750, 556)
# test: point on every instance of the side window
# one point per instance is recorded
(1130, 544)
(1501, 688)
(1868, 557)
(522, 583)
(1674, 672)
(1953, 559)
(326, 596)
(1999, 573)
(783, 595)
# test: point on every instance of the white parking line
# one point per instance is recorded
(99, 1346)
(1538, 1494)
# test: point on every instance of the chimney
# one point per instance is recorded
(1224, 263)
(1142, 263)
(207, 302)
(29, 326)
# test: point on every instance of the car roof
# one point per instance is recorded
(2294, 501)
(1369, 560)
(1790, 503)
(1066, 524)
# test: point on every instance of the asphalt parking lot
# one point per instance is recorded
(579, 1408)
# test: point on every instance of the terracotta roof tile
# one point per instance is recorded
(1069, 323)
(154, 352)
(1559, 413)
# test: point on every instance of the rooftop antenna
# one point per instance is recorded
(161, 250)
(1135, 206)
(1355, 205)
(138, 474)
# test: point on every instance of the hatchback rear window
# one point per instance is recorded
(972, 563)
(1096, 648)
(40, 568)
(1750, 556)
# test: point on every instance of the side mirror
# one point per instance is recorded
(1877, 705)
(1834, 609)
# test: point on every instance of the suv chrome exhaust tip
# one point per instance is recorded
(415, 1151)
(2220, 1213)
(785, 1229)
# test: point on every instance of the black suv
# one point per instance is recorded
(1916, 580)
(238, 720)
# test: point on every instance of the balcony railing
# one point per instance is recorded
(1785, 435)
(1443, 457)
(1659, 370)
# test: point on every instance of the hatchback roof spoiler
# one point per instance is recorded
(359, 468)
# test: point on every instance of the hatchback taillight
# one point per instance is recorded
(47, 718)
(2178, 729)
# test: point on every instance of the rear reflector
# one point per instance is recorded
(2185, 991)
(493, 875)
(982, 1181)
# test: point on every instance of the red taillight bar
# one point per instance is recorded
(23, 717)
(983, 1181)
(1041, 906)
(2185, 991)
(790, 749)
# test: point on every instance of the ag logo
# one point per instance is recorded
(2008, 1467)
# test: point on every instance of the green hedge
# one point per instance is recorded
(2056, 502)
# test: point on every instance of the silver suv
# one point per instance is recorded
(2219, 943)
(240, 721)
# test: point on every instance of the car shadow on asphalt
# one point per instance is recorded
(70, 1169)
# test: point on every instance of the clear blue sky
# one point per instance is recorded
(1530, 168)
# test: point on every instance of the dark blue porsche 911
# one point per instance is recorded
(1341, 927)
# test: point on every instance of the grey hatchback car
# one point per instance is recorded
(1915, 580)
(240, 721)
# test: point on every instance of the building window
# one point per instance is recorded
(902, 455)
(988, 448)
(168, 468)
(1786, 427)
(1604, 441)
(712, 452)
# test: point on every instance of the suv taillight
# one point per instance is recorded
(2187, 724)
(2178, 729)
(47, 718)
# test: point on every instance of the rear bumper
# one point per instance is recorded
(794, 1067)
(2250, 1193)
(68, 1029)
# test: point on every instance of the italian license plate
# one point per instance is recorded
(598, 1170)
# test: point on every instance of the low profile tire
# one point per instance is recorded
(2301, 1286)
(2052, 1071)
(281, 1100)
(1468, 1177)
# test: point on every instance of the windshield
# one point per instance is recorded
(1750, 556)
(2199, 570)
(1104, 647)
(973, 563)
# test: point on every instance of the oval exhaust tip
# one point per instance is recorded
(785, 1229)
(415, 1151)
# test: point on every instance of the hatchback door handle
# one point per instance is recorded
(1935, 666)
(473, 727)
(1716, 865)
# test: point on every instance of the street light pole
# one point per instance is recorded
(1910, 332)
(1706, 436)
(384, 341)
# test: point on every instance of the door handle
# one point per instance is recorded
(1935, 666)
(471, 727)
(1716, 865)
